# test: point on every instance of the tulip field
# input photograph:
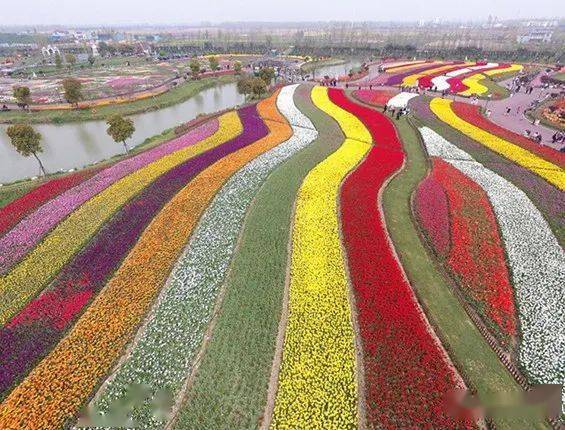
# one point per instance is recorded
(304, 261)
(456, 77)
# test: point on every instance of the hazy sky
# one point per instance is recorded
(78, 12)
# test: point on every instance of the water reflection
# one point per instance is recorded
(74, 145)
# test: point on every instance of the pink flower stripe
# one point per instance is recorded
(25, 235)
(432, 210)
(374, 97)
(14, 211)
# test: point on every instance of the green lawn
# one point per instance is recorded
(175, 95)
(230, 388)
(467, 348)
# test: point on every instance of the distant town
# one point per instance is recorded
(534, 40)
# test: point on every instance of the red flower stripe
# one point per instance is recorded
(432, 210)
(14, 211)
(471, 114)
(477, 254)
(407, 375)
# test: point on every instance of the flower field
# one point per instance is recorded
(457, 77)
(242, 275)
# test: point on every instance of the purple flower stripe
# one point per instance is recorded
(43, 322)
(433, 213)
(15, 244)
(399, 77)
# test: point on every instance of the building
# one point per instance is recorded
(535, 36)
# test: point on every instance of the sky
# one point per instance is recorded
(91, 12)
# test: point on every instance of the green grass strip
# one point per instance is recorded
(467, 347)
(230, 387)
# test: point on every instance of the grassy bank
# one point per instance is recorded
(467, 348)
(174, 96)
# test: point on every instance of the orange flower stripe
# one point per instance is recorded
(75, 367)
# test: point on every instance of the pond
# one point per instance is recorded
(77, 144)
(338, 70)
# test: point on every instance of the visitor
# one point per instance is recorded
(385, 108)
(488, 113)
(508, 110)
(392, 110)
(370, 87)
(398, 114)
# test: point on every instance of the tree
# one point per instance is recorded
(120, 129)
(255, 87)
(70, 59)
(214, 64)
(58, 61)
(73, 90)
(102, 48)
(237, 67)
(194, 67)
(91, 60)
(244, 86)
(267, 74)
(22, 96)
(258, 87)
(26, 141)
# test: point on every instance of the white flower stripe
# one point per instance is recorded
(163, 356)
(536, 260)
(401, 100)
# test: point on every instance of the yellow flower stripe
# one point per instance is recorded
(410, 66)
(35, 271)
(317, 383)
(547, 170)
(475, 87)
(511, 68)
(58, 386)
(474, 84)
(412, 80)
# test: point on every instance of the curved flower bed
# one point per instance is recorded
(536, 262)
(397, 78)
(193, 289)
(425, 81)
(317, 384)
(36, 329)
(401, 100)
(403, 389)
(413, 80)
(247, 341)
(31, 230)
(472, 115)
(432, 211)
(397, 64)
(74, 367)
(545, 169)
(374, 97)
(61, 244)
(15, 211)
(476, 258)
